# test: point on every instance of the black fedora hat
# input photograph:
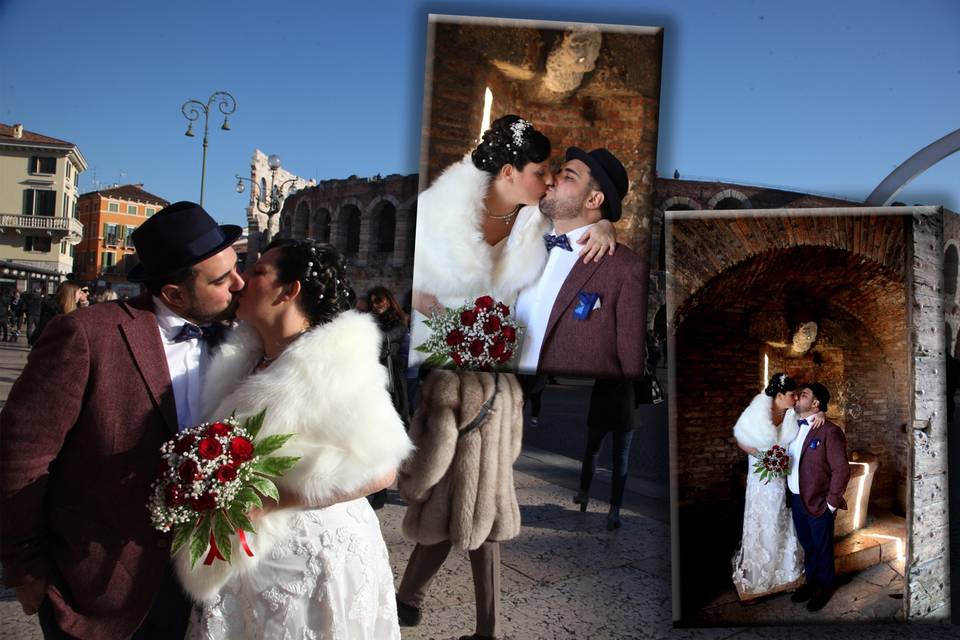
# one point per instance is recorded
(609, 174)
(820, 393)
(178, 236)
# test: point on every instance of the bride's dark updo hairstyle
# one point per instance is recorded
(780, 383)
(321, 270)
(510, 140)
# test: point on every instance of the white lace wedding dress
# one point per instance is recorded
(330, 578)
(770, 558)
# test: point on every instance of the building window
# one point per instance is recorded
(69, 170)
(38, 202)
(113, 207)
(37, 243)
(109, 259)
(75, 214)
(66, 205)
(128, 236)
(110, 234)
(43, 164)
(150, 211)
(132, 209)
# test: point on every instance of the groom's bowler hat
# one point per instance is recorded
(820, 393)
(609, 174)
(178, 236)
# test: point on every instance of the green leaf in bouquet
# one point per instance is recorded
(271, 444)
(275, 465)
(265, 487)
(181, 533)
(423, 348)
(436, 360)
(253, 424)
(200, 540)
(238, 516)
(249, 499)
(221, 533)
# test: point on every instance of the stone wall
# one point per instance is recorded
(928, 561)
(371, 220)
(614, 106)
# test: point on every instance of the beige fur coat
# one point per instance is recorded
(461, 489)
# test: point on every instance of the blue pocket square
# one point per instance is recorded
(814, 443)
(585, 304)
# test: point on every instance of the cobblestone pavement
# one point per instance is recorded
(565, 576)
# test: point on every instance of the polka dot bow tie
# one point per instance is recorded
(212, 334)
(560, 240)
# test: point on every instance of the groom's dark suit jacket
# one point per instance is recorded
(824, 470)
(610, 342)
(79, 445)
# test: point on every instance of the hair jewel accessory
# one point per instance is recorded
(518, 128)
(783, 379)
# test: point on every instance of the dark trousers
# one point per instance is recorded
(621, 460)
(816, 538)
(425, 562)
(533, 386)
(166, 620)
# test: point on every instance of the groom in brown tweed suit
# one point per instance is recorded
(80, 436)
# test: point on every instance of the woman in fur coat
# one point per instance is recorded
(319, 566)
(770, 558)
(474, 237)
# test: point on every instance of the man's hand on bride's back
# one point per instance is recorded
(599, 240)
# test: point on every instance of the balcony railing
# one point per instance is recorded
(70, 226)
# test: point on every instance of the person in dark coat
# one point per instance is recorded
(394, 325)
(613, 409)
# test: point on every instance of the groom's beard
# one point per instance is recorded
(557, 209)
(200, 316)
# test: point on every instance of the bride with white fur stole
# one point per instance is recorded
(770, 558)
(319, 566)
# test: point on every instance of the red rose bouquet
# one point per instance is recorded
(772, 463)
(208, 478)
(476, 336)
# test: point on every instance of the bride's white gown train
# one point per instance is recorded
(770, 557)
(321, 582)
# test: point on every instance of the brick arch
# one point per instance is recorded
(386, 197)
(347, 202)
(682, 201)
(706, 245)
(752, 309)
(729, 193)
(321, 224)
(301, 220)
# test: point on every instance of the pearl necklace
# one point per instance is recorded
(508, 217)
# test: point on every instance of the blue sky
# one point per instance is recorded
(827, 97)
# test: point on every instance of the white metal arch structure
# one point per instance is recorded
(916, 164)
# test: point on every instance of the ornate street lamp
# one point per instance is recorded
(271, 202)
(192, 109)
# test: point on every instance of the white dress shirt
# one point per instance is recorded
(796, 450)
(535, 303)
(186, 362)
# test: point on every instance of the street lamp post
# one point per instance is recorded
(192, 109)
(274, 197)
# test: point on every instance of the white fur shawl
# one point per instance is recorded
(755, 427)
(330, 390)
(453, 261)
